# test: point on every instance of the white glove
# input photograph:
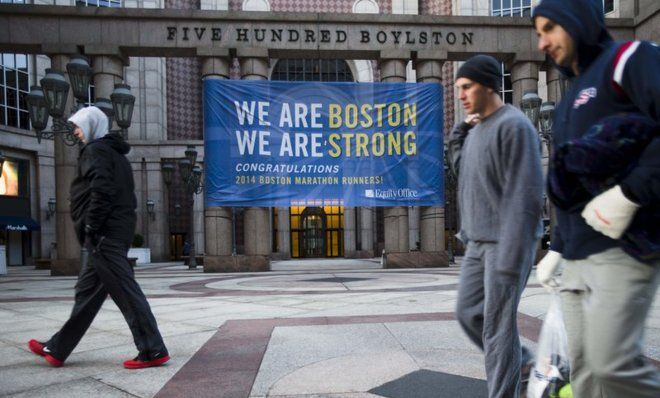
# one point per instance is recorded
(546, 270)
(610, 213)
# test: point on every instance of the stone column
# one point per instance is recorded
(349, 233)
(524, 77)
(217, 220)
(554, 84)
(66, 160)
(432, 219)
(393, 70)
(283, 233)
(157, 237)
(254, 66)
(367, 232)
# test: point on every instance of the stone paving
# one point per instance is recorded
(306, 329)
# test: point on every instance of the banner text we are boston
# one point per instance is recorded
(271, 143)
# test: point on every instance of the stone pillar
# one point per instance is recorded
(157, 236)
(524, 77)
(217, 220)
(66, 160)
(283, 233)
(554, 84)
(432, 219)
(254, 66)
(393, 70)
(349, 232)
(367, 232)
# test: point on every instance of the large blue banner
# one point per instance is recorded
(271, 143)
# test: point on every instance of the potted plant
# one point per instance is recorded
(142, 255)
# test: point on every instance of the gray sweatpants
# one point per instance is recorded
(486, 310)
(605, 299)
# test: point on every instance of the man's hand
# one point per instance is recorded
(472, 119)
(610, 213)
(546, 270)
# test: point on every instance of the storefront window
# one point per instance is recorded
(14, 178)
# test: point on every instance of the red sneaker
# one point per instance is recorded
(137, 363)
(41, 350)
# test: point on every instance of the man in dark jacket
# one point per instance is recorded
(606, 293)
(103, 210)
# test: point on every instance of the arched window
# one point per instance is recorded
(324, 70)
(256, 5)
(365, 7)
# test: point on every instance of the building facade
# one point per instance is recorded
(166, 68)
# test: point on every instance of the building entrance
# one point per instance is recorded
(317, 232)
(313, 232)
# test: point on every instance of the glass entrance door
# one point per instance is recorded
(313, 229)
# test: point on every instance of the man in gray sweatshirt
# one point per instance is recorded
(496, 153)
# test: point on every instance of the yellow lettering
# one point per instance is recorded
(394, 143)
(410, 114)
(394, 115)
(361, 141)
(351, 117)
(348, 137)
(366, 114)
(334, 115)
(379, 108)
(410, 146)
(336, 151)
(378, 144)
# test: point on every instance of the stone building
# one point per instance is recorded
(164, 49)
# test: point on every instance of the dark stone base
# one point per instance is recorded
(359, 254)
(239, 263)
(416, 260)
(280, 256)
(65, 267)
(42, 263)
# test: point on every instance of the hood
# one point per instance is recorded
(116, 142)
(584, 21)
(92, 121)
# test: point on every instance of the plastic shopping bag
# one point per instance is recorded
(550, 375)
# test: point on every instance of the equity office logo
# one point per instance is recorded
(405, 193)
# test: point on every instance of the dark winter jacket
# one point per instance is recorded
(612, 78)
(587, 166)
(103, 193)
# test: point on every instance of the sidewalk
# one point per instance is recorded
(313, 332)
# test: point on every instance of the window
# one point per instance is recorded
(511, 8)
(325, 70)
(14, 88)
(608, 6)
(99, 3)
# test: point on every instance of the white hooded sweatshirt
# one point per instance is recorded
(92, 121)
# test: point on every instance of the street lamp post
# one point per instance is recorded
(192, 178)
(450, 199)
(541, 115)
(50, 99)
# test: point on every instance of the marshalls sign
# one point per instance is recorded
(270, 143)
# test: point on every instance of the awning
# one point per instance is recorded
(13, 223)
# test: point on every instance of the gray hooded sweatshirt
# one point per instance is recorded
(92, 121)
(500, 185)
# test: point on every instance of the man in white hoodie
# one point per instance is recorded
(103, 211)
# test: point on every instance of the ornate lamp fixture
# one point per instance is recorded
(50, 99)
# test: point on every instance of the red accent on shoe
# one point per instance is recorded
(53, 361)
(38, 348)
(136, 363)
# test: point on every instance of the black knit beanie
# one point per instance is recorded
(482, 69)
